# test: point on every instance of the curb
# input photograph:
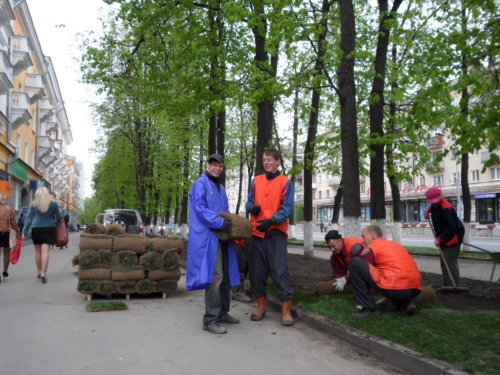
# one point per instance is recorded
(397, 355)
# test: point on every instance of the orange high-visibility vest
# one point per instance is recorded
(394, 267)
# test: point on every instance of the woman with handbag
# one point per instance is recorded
(41, 218)
(7, 221)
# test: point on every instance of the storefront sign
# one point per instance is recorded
(485, 196)
(19, 170)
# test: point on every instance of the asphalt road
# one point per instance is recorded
(46, 331)
(490, 244)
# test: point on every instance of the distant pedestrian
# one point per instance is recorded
(321, 226)
(162, 231)
(7, 221)
(20, 223)
(41, 218)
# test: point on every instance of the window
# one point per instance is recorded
(437, 180)
(362, 189)
(421, 181)
(328, 193)
(32, 158)
(455, 177)
(495, 173)
(320, 195)
(453, 155)
(475, 175)
(319, 182)
(314, 178)
(314, 195)
(473, 153)
(26, 151)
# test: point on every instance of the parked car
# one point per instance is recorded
(130, 220)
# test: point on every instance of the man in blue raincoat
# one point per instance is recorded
(212, 264)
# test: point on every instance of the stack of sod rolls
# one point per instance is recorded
(128, 264)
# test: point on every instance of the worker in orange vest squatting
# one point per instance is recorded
(394, 274)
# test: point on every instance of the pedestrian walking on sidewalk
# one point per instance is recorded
(270, 202)
(7, 221)
(212, 264)
(43, 214)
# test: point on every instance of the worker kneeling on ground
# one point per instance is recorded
(393, 273)
(343, 249)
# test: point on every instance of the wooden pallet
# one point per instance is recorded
(127, 296)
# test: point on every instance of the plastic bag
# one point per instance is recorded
(62, 237)
(16, 253)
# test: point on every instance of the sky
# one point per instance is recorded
(57, 24)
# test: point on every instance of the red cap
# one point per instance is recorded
(433, 195)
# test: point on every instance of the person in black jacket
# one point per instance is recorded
(449, 233)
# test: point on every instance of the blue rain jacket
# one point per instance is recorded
(205, 202)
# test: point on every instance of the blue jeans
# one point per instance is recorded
(218, 293)
(269, 256)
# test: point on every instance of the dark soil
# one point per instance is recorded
(482, 295)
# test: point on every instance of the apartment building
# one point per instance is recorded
(484, 188)
(34, 126)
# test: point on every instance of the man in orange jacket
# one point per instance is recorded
(394, 274)
(343, 249)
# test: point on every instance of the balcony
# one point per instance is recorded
(20, 109)
(45, 159)
(362, 179)
(334, 181)
(436, 141)
(35, 87)
(485, 156)
(44, 109)
(6, 12)
(5, 73)
(21, 59)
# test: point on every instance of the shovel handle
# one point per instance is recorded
(442, 255)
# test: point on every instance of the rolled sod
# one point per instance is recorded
(107, 288)
(166, 286)
(94, 273)
(158, 275)
(108, 258)
(326, 288)
(127, 258)
(145, 286)
(88, 258)
(127, 274)
(98, 306)
(96, 241)
(88, 286)
(161, 244)
(115, 230)
(95, 228)
(150, 261)
(130, 242)
(241, 228)
(126, 287)
(75, 260)
(169, 260)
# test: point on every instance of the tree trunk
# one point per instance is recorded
(348, 121)
(377, 102)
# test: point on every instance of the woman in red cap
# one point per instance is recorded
(449, 232)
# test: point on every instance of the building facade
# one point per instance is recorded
(34, 126)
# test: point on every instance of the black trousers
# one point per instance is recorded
(362, 281)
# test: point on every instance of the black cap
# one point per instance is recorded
(332, 235)
(216, 157)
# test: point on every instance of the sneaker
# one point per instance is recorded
(407, 308)
(367, 314)
(5, 274)
(227, 319)
(360, 308)
(214, 328)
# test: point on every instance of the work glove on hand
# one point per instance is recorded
(437, 242)
(426, 213)
(264, 225)
(339, 284)
(254, 210)
(228, 225)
